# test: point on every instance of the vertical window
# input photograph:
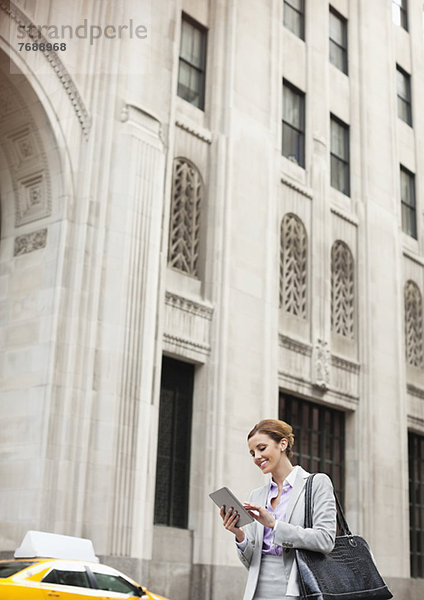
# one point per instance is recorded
(184, 229)
(174, 441)
(192, 65)
(408, 206)
(338, 40)
(339, 150)
(293, 266)
(403, 85)
(294, 17)
(416, 503)
(319, 434)
(400, 13)
(293, 144)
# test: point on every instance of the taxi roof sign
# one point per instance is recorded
(40, 544)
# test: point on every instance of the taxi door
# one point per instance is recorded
(68, 582)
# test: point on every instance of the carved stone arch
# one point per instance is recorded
(342, 290)
(293, 266)
(31, 167)
(18, 20)
(186, 207)
(413, 324)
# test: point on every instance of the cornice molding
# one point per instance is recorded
(15, 13)
(352, 219)
(415, 391)
(190, 306)
(295, 345)
(346, 365)
(202, 134)
(297, 187)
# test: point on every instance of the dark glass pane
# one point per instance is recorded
(7, 569)
(338, 41)
(416, 503)
(174, 441)
(319, 437)
(192, 65)
(114, 583)
(293, 124)
(73, 578)
(294, 17)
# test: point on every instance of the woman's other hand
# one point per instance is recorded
(260, 513)
(230, 519)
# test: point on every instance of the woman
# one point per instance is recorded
(266, 546)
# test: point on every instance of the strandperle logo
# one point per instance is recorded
(83, 31)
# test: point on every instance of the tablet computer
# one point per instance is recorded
(224, 497)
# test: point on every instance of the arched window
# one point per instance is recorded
(187, 196)
(293, 266)
(342, 290)
(413, 325)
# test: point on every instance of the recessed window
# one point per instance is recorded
(400, 13)
(338, 40)
(339, 151)
(319, 434)
(293, 144)
(408, 204)
(192, 64)
(416, 503)
(403, 86)
(294, 17)
(174, 443)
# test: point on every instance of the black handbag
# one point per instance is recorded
(347, 573)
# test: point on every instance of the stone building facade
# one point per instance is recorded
(211, 212)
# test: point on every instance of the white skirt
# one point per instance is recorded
(272, 581)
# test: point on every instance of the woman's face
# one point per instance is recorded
(266, 453)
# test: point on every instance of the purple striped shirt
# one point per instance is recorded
(279, 514)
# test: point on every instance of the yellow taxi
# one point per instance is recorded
(61, 578)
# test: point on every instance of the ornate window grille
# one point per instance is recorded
(293, 266)
(413, 324)
(187, 195)
(342, 290)
(319, 434)
(174, 441)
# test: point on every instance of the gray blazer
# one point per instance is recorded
(292, 533)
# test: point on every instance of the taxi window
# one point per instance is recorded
(114, 583)
(8, 569)
(62, 577)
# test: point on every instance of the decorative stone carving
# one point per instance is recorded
(33, 199)
(345, 365)
(202, 134)
(293, 266)
(342, 290)
(187, 195)
(187, 327)
(15, 13)
(24, 244)
(294, 345)
(415, 391)
(413, 325)
(321, 364)
(27, 160)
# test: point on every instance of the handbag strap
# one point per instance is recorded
(341, 519)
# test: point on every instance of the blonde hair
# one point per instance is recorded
(276, 430)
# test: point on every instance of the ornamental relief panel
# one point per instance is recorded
(413, 325)
(26, 159)
(184, 229)
(342, 291)
(293, 266)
